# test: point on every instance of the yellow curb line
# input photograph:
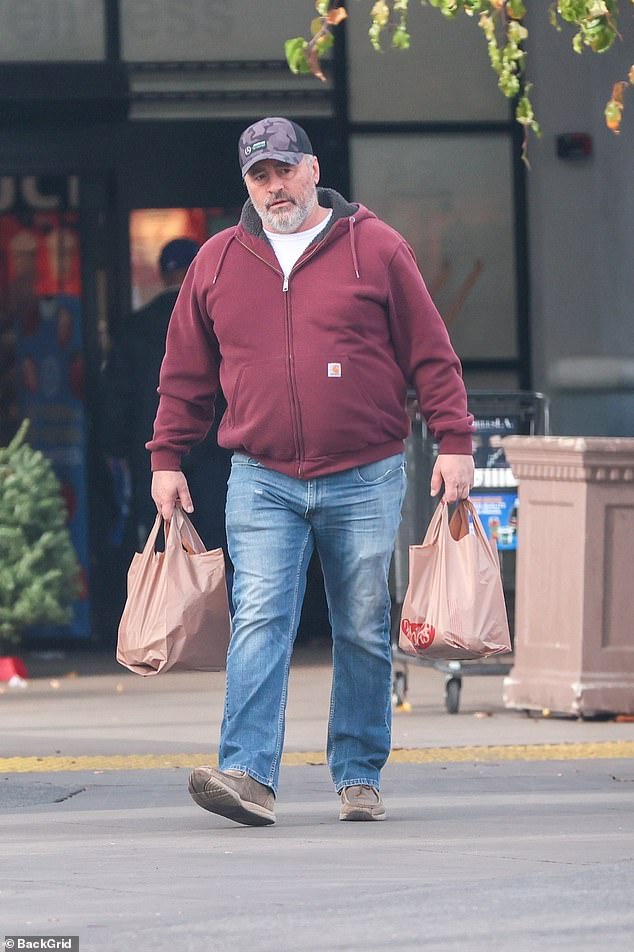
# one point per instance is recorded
(420, 755)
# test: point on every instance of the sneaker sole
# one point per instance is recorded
(361, 815)
(228, 803)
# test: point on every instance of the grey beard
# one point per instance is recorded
(289, 221)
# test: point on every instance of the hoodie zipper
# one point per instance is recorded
(295, 407)
(295, 417)
(289, 337)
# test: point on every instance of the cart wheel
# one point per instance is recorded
(399, 688)
(452, 695)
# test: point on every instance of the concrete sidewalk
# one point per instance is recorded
(505, 833)
(69, 710)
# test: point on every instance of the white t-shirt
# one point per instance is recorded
(289, 248)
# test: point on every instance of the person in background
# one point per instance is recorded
(129, 401)
(313, 315)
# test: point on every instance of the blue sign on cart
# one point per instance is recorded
(498, 514)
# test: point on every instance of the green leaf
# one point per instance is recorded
(295, 51)
(516, 9)
(324, 43)
(401, 39)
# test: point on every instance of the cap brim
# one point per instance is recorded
(290, 158)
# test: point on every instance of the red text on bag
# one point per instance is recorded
(420, 633)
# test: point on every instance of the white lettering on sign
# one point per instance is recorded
(38, 194)
(494, 478)
(206, 29)
(7, 193)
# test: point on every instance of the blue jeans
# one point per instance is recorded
(273, 524)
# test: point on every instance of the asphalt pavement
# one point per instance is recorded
(504, 832)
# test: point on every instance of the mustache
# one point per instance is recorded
(280, 197)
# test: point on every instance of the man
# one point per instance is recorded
(312, 315)
(130, 401)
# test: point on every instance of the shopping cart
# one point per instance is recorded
(497, 414)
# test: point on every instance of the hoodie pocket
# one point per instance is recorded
(259, 417)
(347, 405)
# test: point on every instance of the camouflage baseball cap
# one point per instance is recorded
(273, 138)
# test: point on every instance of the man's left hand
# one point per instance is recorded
(456, 472)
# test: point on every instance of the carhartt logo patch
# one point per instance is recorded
(334, 370)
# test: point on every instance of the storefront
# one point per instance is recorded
(119, 130)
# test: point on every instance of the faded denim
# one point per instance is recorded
(274, 522)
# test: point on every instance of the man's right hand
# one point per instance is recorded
(169, 489)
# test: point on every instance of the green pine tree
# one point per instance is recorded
(39, 572)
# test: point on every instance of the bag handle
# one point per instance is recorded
(459, 522)
(150, 545)
(458, 527)
(467, 505)
(189, 538)
(433, 530)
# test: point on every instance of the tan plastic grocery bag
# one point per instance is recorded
(454, 605)
(176, 614)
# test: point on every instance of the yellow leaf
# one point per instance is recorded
(614, 108)
(617, 91)
(336, 16)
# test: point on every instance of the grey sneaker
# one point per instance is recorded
(361, 803)
(234, 794)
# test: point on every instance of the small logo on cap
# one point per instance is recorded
(334, 370)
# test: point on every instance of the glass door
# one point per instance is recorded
(42, 342)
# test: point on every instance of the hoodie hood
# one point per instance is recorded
(326, 197)
(250, 225)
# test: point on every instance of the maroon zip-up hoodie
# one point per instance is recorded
(314, 369)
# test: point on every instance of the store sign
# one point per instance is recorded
(182, 30)
(38, 193)
(51, 30)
